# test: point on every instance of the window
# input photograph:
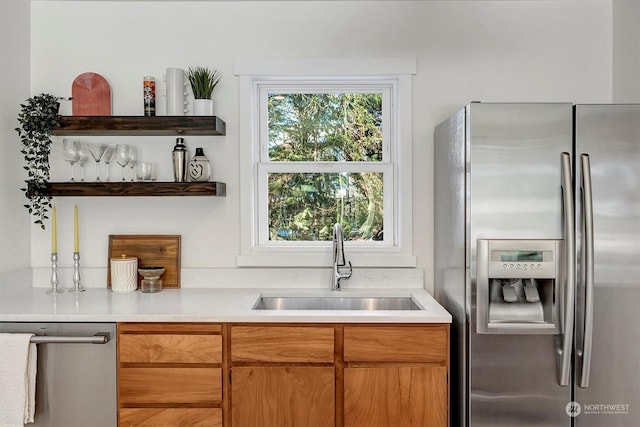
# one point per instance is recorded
(320, 149)
(324, 159)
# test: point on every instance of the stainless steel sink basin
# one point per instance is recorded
(336, 303)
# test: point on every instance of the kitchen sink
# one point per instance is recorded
(336, 303)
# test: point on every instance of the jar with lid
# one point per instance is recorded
(123, 274)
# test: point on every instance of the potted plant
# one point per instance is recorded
(203, 81)
(38, 116)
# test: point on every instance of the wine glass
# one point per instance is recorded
(109, 155)
(122, 156)
(133, 160)
(83, 152)
(71, 155)
(97, 152)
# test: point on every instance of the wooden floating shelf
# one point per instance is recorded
(140, 125)
(83, 189)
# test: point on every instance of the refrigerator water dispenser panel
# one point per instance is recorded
(518, 286)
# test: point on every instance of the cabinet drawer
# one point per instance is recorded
(170, 417)
(170, 328)
(169, 385)
(170, 348)
(282, 344)
(408, 343)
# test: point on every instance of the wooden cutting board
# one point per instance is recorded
(90, 95)
(151, 250)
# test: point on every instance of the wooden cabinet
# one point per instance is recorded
(396, 376)
(281, 396)
(282, 376)
(411, 396)
(170, 374)
(339, 375)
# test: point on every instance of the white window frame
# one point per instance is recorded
(326, 75)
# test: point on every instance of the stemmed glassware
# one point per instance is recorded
(122, 156)
(83, 152)
(97, 152)
(71, 155)
(109, 155)
(133, 160)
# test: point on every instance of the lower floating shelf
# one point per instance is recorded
(80, 189)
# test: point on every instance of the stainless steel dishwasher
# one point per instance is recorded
(76, 379)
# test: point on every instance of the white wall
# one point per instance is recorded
(626, 51)
(14, 89)
(488, 51)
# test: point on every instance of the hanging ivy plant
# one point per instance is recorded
(38, 116)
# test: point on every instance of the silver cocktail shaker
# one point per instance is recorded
(180, 155)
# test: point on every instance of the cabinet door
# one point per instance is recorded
(396, 396)
(283, 396)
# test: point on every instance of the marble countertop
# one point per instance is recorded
(204, 305)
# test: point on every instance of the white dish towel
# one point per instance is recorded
(18, 364)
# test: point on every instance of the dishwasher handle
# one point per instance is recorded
(99, 338)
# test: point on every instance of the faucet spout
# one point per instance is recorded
(338, 259)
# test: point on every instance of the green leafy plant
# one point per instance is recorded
(38, 116)
(203, 81)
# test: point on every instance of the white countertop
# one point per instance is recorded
(204, 305)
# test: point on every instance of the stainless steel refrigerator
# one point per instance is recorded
(537, 257)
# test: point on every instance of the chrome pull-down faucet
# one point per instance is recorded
(338, 258)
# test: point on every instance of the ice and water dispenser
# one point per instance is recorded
(518, 286)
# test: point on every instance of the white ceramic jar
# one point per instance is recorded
(124, 274)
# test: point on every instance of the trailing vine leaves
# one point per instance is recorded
(38, 116)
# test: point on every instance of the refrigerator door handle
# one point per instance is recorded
(564, 341)
(587, 211)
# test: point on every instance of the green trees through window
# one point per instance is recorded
(339, 132)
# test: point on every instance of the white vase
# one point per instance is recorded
(199, 169)
(203, 107)
(175, 92)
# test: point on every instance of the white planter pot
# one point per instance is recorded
(203, 107)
